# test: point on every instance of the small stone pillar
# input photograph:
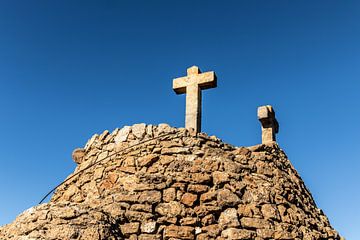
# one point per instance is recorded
(269, 124)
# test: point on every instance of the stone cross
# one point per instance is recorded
(192, 84)
(269, 124)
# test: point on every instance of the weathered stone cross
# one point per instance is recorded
(269, 124)
(192, 84)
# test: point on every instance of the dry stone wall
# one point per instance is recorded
(158, 182)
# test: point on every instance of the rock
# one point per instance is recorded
(102, 156)
(70, 192)
(188, 221)
(269, 211)
(139, 130)
(147, 160)
(150, 196)
(163, 128)
(226, 198)
(123, 134)
(98, 173)
(181, 185)
(198, 188)
(149, 131)
(212, 230)
(207, 197)
(208, 220)
(103, 136)
(130, 228)
(178, 232)
(264, 168)
(200, 178)
(129, 161)
(220, 177)
(90, 142)
(169, 194)
(188, 199)
(234, 233)
(175, 150)
(150, 237)
(68, 213)
(265, 233)
(171, 209)
(165, 159)
(171, 144)
(78, 155)
(256, 223)
(148, 227)
(229, 218)
(137, 216)
(206, 209)
(141, 207)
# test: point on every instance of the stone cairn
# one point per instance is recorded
(149, 182)
(175, 184)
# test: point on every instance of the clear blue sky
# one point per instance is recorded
(70, 69)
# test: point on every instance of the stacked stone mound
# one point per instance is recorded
(158, 182)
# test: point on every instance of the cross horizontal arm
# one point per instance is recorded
(204, 80)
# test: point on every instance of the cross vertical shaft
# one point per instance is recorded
(192, 84)
(193, 107)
